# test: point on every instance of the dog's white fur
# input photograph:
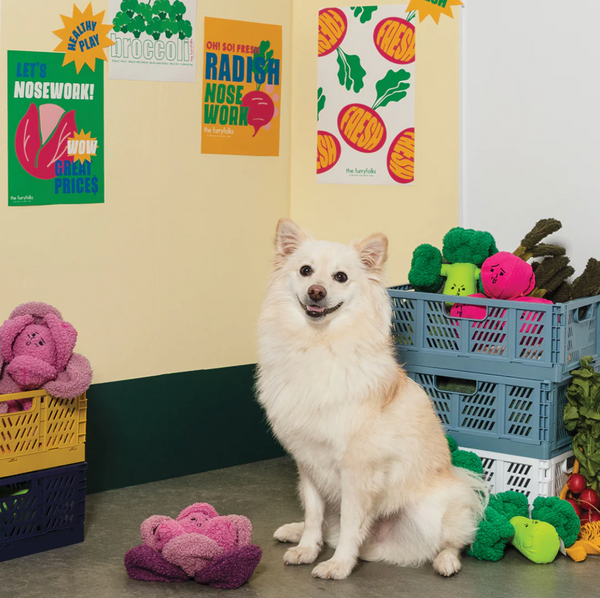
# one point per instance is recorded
(375, 473)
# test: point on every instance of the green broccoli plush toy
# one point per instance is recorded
(506, 520)
(459, 262)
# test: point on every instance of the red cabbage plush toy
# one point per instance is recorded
(214, 550)
(36, 351)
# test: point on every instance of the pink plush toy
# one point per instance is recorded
(503, 276)
(36, 351)
(215, 550)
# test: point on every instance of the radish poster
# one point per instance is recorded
(366, 96)
(55, 130)
(153, 40)
(241, 91)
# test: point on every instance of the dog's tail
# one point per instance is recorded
(479, 489)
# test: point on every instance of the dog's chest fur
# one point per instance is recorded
(316, 398)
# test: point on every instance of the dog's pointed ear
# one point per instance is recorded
(288, 238)
(372, 251)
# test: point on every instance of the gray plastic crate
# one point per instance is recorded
(501, 414)
(522, 340)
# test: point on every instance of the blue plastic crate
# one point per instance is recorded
(523, 340)
(41, 510)
(515, 416)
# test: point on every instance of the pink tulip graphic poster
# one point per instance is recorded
(55, 130)
(366, 96)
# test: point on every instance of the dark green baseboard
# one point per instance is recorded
(162, 427)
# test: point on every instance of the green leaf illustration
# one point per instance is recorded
(321, 99)
(365, 12)
(391, 88)
(350, 72)
(267, 55)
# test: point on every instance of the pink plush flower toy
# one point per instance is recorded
(36, 351)
(503, 276)
(214, 550)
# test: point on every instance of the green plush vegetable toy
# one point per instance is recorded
(507, 521)
(459, 262)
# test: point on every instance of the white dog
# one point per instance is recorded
(375, 473)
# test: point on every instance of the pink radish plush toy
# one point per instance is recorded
(36, 351)
(214, 550)
(503, 276)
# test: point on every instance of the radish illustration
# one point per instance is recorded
(261, 108)
(360, 126)
(333, 26)
(328, 151)
(394, 39)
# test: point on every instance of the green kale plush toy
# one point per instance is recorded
(459, 262)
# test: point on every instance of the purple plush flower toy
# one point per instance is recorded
(214, 550)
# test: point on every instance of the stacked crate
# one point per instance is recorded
(499, 384)
(42, 474)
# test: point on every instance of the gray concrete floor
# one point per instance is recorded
(265, 492)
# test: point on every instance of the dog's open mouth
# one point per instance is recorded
(317, 311)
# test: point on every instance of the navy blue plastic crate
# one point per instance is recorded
(42, 510)
(501, 414)
(524, 340)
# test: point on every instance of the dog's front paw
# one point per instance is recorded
(333, 569)
(291, 532)
(447, 563)
(301, 555)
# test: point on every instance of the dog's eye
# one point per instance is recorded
(341, 277)
(306, 271)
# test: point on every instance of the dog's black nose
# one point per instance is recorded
(317, 292)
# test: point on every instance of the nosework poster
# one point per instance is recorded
(241, 91)
(55, 130)
(153, 40)
(366, 96)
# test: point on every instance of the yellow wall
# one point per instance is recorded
(408, 215)
(168, 275)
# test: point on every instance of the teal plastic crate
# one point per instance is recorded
(523, 340)
(501, 414)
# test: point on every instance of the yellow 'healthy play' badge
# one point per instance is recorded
(433, 8)
(83, 38)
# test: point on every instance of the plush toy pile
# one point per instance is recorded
(213, 550)
(36, 351)
(507, 521)
(465, 265)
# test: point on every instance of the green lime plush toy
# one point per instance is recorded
(506, 521)
(456, 267)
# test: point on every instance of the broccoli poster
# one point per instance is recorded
(55, 130)
(366, 96)
(153, 40)
(241, 91)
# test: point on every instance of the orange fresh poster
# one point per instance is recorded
(241, 89)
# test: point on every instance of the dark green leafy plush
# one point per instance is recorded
(365, 12)
(581, 416)
(392, 88)
(350, 72)
(321, 99)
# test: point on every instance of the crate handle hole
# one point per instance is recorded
(583, 314)
(459, 386)
(13, 491)
(449, 306)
